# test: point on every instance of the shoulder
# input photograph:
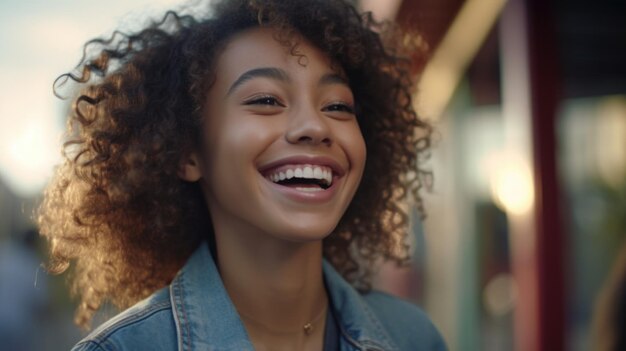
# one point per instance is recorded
(406, 323)
(148, 323)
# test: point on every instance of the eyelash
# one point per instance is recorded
(269, 100)
(264, 100)
(340, 107)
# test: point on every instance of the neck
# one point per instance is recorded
(277, 286)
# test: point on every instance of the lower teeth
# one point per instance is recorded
(310, 190)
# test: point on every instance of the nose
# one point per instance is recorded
(307, 125)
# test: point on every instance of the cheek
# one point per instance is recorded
(230, 133)
(232, 148)
(356, 149)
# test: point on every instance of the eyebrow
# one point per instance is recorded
(333, 78)
(281, 75)
(266, 72)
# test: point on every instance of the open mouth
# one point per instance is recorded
(308, 178)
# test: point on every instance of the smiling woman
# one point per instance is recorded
(216, 168)
(268, 113)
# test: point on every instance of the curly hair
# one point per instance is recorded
(117, 212)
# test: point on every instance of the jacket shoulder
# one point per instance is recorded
(406, 323)
(149, 323)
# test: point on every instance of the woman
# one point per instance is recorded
(216, 168)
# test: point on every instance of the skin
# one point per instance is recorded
(267, 106)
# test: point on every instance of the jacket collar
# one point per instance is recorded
(206, 318)
(357, 321)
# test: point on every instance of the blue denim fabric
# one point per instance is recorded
(195, 313)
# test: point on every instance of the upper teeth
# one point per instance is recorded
(302, 171)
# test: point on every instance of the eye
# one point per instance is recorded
(267, 100)
(339, 107)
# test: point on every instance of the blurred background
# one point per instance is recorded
(527, 216)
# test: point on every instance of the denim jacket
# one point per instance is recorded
(195, 313)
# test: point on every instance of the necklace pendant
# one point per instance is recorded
(308, 328)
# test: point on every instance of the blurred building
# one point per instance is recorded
(528, 210)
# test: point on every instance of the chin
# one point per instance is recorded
(305, 231)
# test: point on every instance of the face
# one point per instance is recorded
(282, 152)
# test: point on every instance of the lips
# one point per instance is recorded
(304, 177)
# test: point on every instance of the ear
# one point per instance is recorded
(189, 168)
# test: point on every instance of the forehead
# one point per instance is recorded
(258, 47)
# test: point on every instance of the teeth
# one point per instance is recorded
(318, 173)
(309, 190)
(306, 172)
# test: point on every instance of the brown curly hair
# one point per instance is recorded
(116, 208)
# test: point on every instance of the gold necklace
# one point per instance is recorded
(307, 328)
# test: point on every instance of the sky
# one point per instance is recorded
(39, 40)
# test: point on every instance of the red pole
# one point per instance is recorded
(550, 243)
